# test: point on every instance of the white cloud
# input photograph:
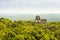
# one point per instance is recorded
(30, 6)
(30, 11)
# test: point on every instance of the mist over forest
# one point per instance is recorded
(49, 17)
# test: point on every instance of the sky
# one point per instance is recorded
(8, 7)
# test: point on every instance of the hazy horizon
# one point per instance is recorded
(48, 17)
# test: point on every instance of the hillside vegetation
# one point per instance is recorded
(28, 30)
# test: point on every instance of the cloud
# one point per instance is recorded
(30, 11)
(30, 3)
(29, 6)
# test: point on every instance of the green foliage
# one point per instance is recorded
(28, 30)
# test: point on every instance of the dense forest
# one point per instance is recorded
(28, 30)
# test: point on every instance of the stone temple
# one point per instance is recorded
(39, 20)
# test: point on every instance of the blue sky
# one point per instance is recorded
(29, 6)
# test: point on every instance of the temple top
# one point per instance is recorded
(37, 17)
(40, 21)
